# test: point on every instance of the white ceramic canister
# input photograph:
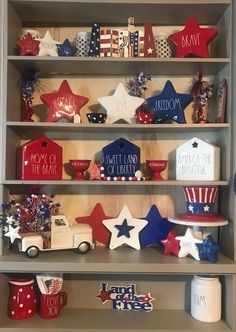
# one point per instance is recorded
(206, 298)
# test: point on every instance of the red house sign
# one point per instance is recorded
(40, 159)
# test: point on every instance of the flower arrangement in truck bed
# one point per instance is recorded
(28, 214)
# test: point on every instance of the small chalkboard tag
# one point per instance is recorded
(120, 159)
(197, 160)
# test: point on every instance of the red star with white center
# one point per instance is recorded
(63, 103)
(171, 244)
(146, 298)
(100, 232)
(193, 40)
(104, 296)
(28, 45)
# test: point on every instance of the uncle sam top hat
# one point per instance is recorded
(200, 203)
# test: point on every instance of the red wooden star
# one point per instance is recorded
(63, 103)
(94, 171)
(104, 296)
(100, 232)
(28, 45)
(193, 40)
(171, 245)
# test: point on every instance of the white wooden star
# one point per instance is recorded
(48, 46)
(13, 233)
(10, 220)
(120, 105)
(187, 244)
(132, 227)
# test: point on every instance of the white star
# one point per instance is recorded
(13, 233)
(187, 244)
(10, 220)
(48, 46)
(150, 50)
(190, 208)
(206, 208)
(120, 105)
(133, 240)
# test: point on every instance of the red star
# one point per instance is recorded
(171, 245)
(63, 103)
(193, 40)
(104, 296)
(146, 298)
(28, 45)
(94, 172)
(100, 232)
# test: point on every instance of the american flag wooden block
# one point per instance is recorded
(115, 43)
(123, 44)
(131, 31)
(109, 43)
(94, 47)
(138, 44)
(149, 42)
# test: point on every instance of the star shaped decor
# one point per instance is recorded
(169, 105)
(48, 46)
(195, 145)
(125, 221)
(63, 103)
(95, 172)
(188, 244)
(13, 233)
(120, 106)
(66, 49)
(104, 296)
(156, 229)
(171, 244)
(193, 40)
(28, 45)
(100, 232)
(208, 250)
(146, 298)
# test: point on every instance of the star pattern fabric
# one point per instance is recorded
(63, 103)
(208, 250)
(188, 244)
(171, 244)
(157, 228)
(28, 45)
(13, 233)
(120, 106)
(169, 105)
(48, 46)
(193, 40)
(133, 240)
(66, 49)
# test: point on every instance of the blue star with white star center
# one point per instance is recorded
(156, 230)
(124, 229)
(208, 250)
(66, 49)
(169, 105)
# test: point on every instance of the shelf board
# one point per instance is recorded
(123, 260)
(79, 13)
(100, 320)
(60, 66)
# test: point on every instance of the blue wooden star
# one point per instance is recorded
(208, 250)
(156, 230)
(124, 229)
(66, 49)
(169, 105)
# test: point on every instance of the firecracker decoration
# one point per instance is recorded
(193, 40)
(66, 48)
(95, 219)
(149, 42)
(169, 105)
(125, 298)
(138, 85)
(120, 106)
(28, 214)
(28, 45)
(63, 103)
(39, 159)
(188, 244)
(125, 229)
(156, 229)
(208, 250)
(94, 47)
(48, 46)
(27, 88)
(202, 92)
(197, 160)
(171, 244)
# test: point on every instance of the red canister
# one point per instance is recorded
(22, 299)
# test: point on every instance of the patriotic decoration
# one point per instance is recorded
(94, 47)
(208, 250)
(49, 284)
(149, 42)
(109, 43)
(123, 44)
(28, 45)
(66, 49)
(171, 244)
(188, 244)
(48, 46)
(125, 298)
(131, 30)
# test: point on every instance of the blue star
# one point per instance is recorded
(156, 230)
(66, 49)
(208, 250)
(169, 105)
(124, 229)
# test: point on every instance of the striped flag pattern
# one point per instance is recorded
(200, 194)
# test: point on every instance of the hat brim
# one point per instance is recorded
(201, 217)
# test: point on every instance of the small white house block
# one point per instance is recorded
(197, 160)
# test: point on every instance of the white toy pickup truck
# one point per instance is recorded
(63, 235)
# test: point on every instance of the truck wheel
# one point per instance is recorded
(32, 252)
(83, 247)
